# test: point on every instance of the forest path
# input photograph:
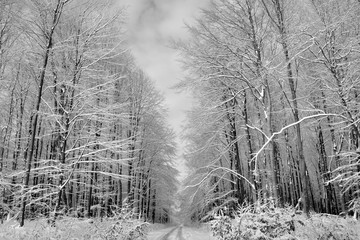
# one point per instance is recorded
(181, 233)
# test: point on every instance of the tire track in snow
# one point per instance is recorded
(168, 235)
(179, 235)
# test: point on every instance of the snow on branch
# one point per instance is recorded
(269, 139)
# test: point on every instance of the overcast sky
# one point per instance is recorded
(152, 23)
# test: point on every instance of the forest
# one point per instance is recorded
(274, 124)
(83, 130)
(276, 119)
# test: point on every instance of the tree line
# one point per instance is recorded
(83, 131)
(277, 105)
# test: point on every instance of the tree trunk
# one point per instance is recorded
(251, 162)
(49, 46)
(280, 24)
(234, 147)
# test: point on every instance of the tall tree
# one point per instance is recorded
(49, 31)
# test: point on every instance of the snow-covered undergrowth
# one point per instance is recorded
(72, 228)
(282, 223)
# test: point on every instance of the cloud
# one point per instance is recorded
(166, 16)
(151, 24)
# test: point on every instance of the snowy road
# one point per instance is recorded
(181, 233)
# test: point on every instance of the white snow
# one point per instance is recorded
(188, 233)
(197, 234)
(159, 231)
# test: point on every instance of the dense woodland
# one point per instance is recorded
(83, 131)
(276, 121)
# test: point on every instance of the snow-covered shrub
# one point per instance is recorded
(255, 223)
(125, 230)
(265, 222)
(324, 226)
(223, 228)
(124, 225)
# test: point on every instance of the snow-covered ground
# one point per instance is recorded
(180, 233)
(159, 232)
(197, 234)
